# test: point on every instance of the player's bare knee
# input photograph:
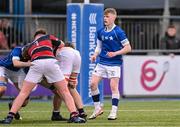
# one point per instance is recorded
(114, 90)
(93, 86)
(1, 93)
(62, 88)
(2, 90)
(64, 91)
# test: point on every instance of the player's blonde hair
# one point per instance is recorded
(110, 10)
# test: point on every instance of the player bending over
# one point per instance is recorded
(69, 61)
(11, 69)
(44, 64)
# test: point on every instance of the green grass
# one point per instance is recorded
(165, 113)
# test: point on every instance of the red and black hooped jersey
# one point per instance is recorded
(43, 47)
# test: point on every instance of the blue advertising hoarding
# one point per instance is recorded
(73, 25)
(83, 21)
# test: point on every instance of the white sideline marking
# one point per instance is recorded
(164, 110)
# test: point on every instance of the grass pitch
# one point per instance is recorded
(151, 113)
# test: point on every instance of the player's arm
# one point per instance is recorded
(126, 48)
(57, 43)
(72, 81)
(25, 54)
(97, 50)
(122, 38)
(16, 54)
(18, 63)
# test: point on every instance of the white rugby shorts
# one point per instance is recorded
(45, 67)
(13, 76)
(107, 71)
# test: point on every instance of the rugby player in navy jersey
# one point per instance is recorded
(44, 64)
(112, 43)
(10, 69)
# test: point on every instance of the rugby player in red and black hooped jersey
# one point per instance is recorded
(43, 46)
(40, 52)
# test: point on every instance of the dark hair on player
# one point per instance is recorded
(69, 44)
(40, 31)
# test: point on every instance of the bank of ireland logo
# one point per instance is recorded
(92, 18)
(149, 75)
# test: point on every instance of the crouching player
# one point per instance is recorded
(70, 64)
(44, 64)
(69, 61)
(10, 68)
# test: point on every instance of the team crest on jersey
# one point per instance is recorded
(106, 38)
(111, 38)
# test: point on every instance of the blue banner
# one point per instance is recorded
(91, 19)
(73, 25)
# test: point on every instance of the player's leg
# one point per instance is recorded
(2, 88)
(57, 78)
(57, 100)
(72, 82)
(3, 85)
(33, 76)
(96, 78)
(62, 88)
(78, 102)
(96, 96)
(17, 115)
(23, 94)
(18, 78)
(21, 78)
(18, 102)
(114, 76)
(77, 98)
(114, 83)
(3, 81)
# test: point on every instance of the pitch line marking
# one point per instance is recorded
(164, 110)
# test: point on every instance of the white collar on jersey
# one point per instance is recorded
(108, 30)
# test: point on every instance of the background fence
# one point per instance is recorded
(144, 32)
(19, 29)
